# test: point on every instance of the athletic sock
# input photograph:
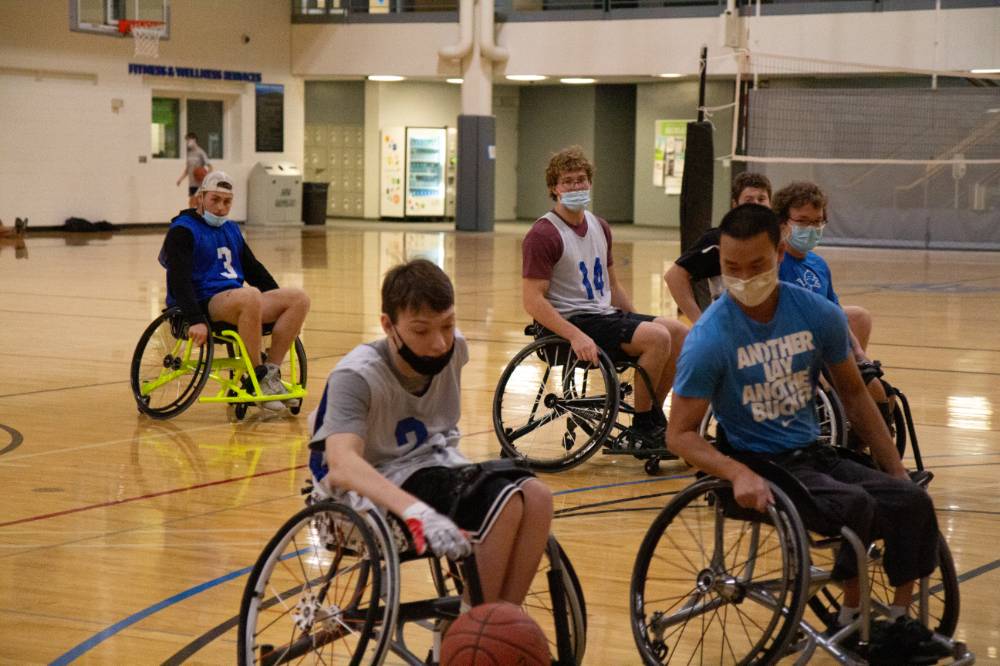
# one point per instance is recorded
(896, 612)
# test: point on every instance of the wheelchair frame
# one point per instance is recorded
(318, 620)
(606, 432)
(721, 585)
(182, 358)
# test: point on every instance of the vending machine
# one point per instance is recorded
(426, 161)
(413, 172)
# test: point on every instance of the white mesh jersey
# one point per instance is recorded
(403, 432)
(579, 282)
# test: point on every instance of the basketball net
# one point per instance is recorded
(147, 38)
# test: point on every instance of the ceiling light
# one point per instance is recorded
(573, 80)
(988, 70)
(670, 75)
(455, 81)
(385, 77)
(526, 77)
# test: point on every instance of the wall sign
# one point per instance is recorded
(668, 154)
(270, 107)
(170, 71)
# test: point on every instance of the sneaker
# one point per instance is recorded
(20, 226)
(904, 641)
(269, 378)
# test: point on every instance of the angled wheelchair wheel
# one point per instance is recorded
(935, 599)
(551, 409)
(555, 601)
(168, 371)
(715, 583)
(318, 593)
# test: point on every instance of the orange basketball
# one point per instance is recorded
(491, 634)
(200, 173)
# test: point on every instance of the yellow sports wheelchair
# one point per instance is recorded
(169, 371)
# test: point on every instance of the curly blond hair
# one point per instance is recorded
(566, 160)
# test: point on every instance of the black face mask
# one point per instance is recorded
(425, 365)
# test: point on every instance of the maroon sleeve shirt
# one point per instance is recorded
(543, 247)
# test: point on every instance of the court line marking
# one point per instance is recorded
(162, 493)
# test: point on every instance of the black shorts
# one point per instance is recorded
(192, 190)
(467, 496)
(611, 331)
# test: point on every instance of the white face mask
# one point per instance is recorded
(754, 291)
(575, 200)
(191, 143)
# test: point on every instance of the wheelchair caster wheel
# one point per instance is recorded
(240, 411)
(569, 440)
(296, 407)
(652, 466)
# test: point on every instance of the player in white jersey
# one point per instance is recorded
(570, 287)
(387, 429)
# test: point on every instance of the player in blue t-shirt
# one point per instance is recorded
(208, 261)
(801, 208)
(755, 354)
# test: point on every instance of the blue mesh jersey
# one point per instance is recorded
(811, 272)
(216, 264)
(761, 378)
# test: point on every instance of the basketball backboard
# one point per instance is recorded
(102, 16)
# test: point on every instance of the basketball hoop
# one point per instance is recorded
(146, 35)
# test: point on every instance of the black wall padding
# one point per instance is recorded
(696, 184)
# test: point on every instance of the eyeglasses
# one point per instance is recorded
(818, 224)
(574, 182)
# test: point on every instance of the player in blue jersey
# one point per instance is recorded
(755, 355)
(208, 261)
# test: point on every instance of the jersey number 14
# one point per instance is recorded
(598, 278)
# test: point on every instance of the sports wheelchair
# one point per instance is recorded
(714, 581)
(328, 589)
(169, 371)
(554, 411)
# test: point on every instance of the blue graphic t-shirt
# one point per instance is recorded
(761, 378)
(811, 272)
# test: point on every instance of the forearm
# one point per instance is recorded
(352, 472)
(679, 284)
(255, 272)
(696, 450)
(870, 426)
(542, 311)
(620, 299)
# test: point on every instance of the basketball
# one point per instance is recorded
(200, 173)
(498, 633)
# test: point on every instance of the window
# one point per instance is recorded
(204, 118)
(166, 127)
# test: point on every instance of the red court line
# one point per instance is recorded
(149, 496)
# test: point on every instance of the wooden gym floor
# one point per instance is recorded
(127, 540)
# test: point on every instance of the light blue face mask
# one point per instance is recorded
(213, 220)
(804, 239)
(575, 200)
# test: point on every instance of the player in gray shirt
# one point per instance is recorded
(386, 429)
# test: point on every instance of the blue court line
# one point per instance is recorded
(98, 638)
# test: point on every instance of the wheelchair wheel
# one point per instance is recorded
(168, 371)
(940, 589)
(565, 613)
(715, 583)
(318, 591)
(552, 410)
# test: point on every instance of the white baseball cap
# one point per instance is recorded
(217, 181)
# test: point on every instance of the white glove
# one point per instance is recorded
(430, 528)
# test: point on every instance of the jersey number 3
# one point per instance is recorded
(226, 255)
(598, 278)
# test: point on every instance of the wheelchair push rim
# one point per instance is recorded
(710, 585)
(168, 372)
(552, 410)
(317, 589)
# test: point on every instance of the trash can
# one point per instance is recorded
(275, 194)
(314, 202)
